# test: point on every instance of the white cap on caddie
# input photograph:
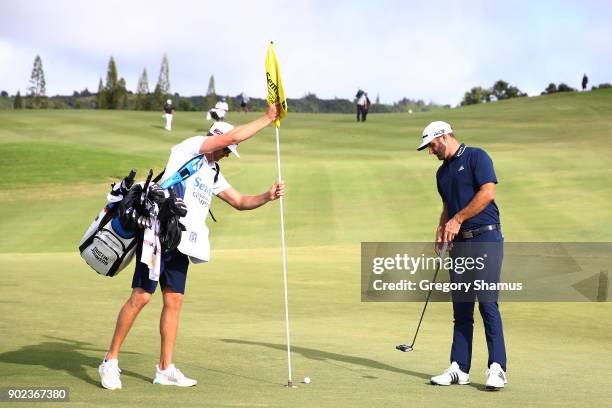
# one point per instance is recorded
(433, 130)
(169, 101)
(220, 128)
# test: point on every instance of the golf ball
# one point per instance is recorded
(306, 380)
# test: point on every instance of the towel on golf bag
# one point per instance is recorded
(151, 250)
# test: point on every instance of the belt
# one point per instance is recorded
(475, 232)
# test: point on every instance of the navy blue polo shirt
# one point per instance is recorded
(459, 179)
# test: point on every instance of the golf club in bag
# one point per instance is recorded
(405, 347)
(109, 243)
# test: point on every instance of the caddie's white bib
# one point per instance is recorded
(197, 192)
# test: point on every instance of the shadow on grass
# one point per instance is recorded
(329, 357)
(62, 355)
(159, 126)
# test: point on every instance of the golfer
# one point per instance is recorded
(194, 246)
(470, 221)
(168, 114)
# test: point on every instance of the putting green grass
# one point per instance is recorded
(347, 182)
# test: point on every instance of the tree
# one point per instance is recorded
(164, 77)
(475, 95)
(18, 102)
(211, 86)
(565, 88)
(111, 89)
(377, 101)
(550, 89)
(503, 90)
(101, 99)
(142, 92)
(37, 89)
(4, 94)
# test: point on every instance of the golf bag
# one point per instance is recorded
(109, 243)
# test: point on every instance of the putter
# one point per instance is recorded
(405, 347)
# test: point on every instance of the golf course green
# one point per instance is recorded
(347, 182)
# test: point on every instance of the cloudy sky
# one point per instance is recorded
(431, 50)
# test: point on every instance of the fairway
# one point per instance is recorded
(347, 182)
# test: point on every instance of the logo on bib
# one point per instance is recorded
(193, 237)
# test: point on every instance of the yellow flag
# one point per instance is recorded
(275, 85)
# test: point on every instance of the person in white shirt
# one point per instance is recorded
(196, 191)
(219, 111)
(168, 114)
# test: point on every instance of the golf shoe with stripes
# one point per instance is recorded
(496, 378)
(452, 375)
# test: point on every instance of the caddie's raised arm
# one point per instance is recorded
(240, 133)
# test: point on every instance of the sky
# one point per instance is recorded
(430, 50)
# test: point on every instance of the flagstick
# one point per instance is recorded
(290, 381)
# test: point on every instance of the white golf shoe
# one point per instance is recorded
(496, 378)
(172, 376)
(452, 375)
(109, 374)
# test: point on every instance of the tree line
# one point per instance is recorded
(113, 94)
(501, 90)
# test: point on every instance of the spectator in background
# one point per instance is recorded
(244, 100)
(168, 114)
(363, 104)
(585, 82)
(218, 112)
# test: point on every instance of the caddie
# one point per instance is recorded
(197, 192)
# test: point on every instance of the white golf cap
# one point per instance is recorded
(220, 113)
(169, 101)
(433, 130)
(220, 128)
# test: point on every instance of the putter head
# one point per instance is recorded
(404, 348)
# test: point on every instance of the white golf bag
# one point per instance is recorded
(106, 246)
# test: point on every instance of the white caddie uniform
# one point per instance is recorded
(197, 192)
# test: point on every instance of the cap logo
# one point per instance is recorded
(217, 132)
(438, 132)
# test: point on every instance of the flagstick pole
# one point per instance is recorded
(290, 380)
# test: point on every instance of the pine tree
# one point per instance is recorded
(164, 77)
(101, 100)
(37, 89)
(142, 92)
(111, 90)
(18, 102)
(211, 86)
